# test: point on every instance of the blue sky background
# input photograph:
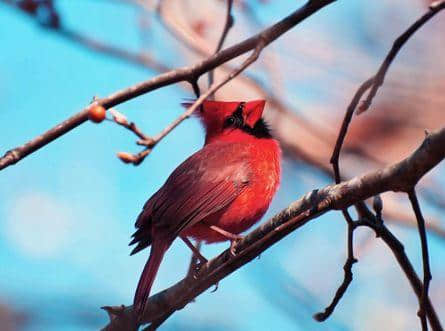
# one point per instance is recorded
(67, 211)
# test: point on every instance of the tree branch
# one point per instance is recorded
(398, 177)
(425, 258)
(378, 79)
(227, 25)
(189, 74)
(348, 276)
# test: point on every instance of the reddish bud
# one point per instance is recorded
(125, 157)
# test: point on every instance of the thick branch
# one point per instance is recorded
(333, 197)
(182, 74)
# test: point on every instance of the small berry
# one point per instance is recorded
(96, 114)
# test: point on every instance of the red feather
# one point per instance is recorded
(229, 183)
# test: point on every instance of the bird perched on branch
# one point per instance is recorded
(217, 193)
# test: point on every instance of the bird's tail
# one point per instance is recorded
(158, 249)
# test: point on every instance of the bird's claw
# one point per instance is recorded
(233, 243)
(216, 287)
(197, 268)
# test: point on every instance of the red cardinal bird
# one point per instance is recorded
(217, 193)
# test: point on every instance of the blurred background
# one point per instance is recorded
(67, 211)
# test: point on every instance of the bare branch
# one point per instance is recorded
(227, 25)
(344, 128)
(425, 258)
(189, 74)
(378, 79)
(348, 276)
(398, 177)
(122, 121)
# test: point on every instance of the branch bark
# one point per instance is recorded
(401, 176)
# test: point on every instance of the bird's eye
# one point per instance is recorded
(230, 121)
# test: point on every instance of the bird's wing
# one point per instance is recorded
(205, 183)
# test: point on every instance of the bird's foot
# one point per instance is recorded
(195, 250)
(196, 268)
(201, 259)
(233, 243)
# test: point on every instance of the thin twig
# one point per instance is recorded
(425, 257)
(227, 25)
(265, 37)
(344, 128)
(145, 140)
(121, 120)
(348, 276)
(378, 79)
(195, 86)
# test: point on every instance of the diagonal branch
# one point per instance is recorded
(398, 177)
(425, 258)
(189, 74)
(227, 25)
(378, 79)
